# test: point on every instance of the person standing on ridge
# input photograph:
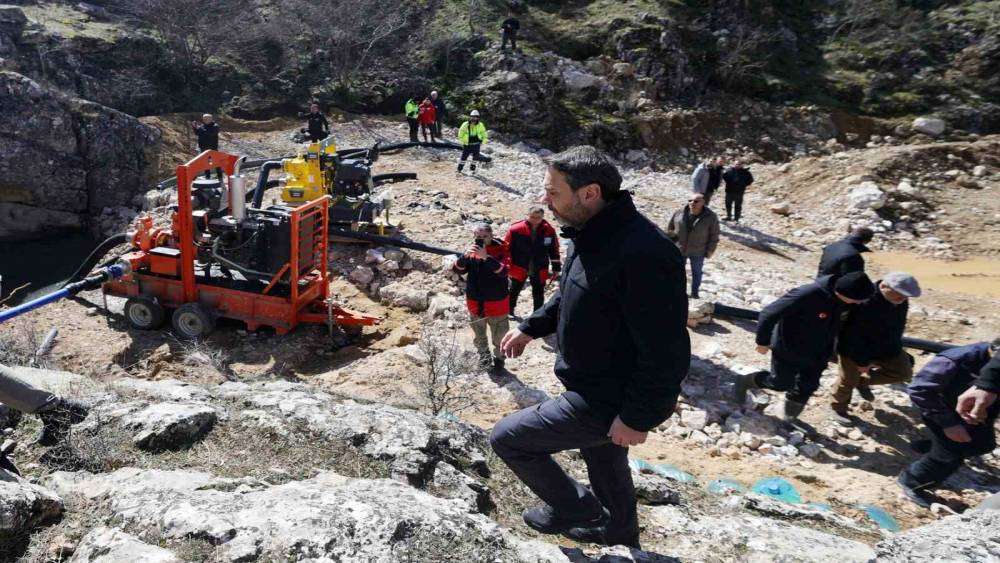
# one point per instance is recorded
(439, 109)
(472, 134)
(737, 179)
(622, 365)
(428, 119)
(207, 133)
(533, 245)
(508, 31)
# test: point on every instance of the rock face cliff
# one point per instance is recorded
(65, 159)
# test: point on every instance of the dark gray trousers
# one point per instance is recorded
(527, 439)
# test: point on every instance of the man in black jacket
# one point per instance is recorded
(317, 126)
(956, 395)
(439, 109)
(508, 31)
(844, 256)
(620, 321)
(799, 330)
(485, 266)
(871, 343)
(715, 171)
(737, 180)
(208, 138)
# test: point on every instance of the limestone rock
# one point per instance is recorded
(110, 545)
(24, 506)
(362, 275)
(400, 295)
(168, 426)
(971, 536)
(929, 126)
(867, 195)
(782, 208)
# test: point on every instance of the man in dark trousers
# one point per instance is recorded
(439, 109)
(486, 293)
(844, 256)
(870, 347)
(412, 111)
(620, 323)
(737, 180)
(715, 171)
(533, 245)
(208, 137)
(956, 394)
(508, 31)
(799, 330)
(695, 228)
(317, 127)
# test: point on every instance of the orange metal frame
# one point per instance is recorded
(308, 277)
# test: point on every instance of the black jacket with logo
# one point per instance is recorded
(842, 257)
(620, 317)
(801, 326)
(873, 330)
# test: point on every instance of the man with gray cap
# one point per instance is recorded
(871, 343)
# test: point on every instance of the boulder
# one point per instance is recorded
(328, 517)
(866, 195)
(400, 295)
(694, 419)
(971, 536)
(362, 275)
(929, 126)
(782, 208)
(170, 426)
(111, 545)
(576, 80)
(24, 506)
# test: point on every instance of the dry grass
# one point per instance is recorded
(19, 340)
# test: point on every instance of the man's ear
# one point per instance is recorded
(591, 193)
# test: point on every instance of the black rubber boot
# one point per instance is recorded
(792, 410)
(913, 491)
(545, 520)
(601, 536)
(57, 419)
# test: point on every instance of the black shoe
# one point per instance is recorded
(917, 496)
(841, 417)
(744, 383)
(866, 393)
(498, 364)
(600, 536)
(545, 520)
(57, 420)
(921, 445)
(694, 295)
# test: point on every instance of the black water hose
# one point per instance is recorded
(392, 241)
(95, 256)
(380, 179)
(258, 191)
(751, 315)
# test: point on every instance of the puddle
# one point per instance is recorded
(976, 276)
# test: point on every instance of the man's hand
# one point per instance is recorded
(973, 404)
(624, 436)
(763, 349)
(957, 433)
(476, 253)
(513, 343)
(865, 369)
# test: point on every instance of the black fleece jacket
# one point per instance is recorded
(801, 326)
(620, 317)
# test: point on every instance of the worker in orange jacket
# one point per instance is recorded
(533, 246)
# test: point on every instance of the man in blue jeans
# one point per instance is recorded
(695, 229)
(620, 321)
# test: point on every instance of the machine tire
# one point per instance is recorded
(191, 321)
(144, 313)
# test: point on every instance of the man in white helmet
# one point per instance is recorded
(472, 135)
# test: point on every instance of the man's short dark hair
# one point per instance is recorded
(585, 165)
(862, 234)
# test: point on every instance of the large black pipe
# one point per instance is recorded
(751, 315)
(258, 191)
(380, 179)
(95, 256)
(392, 241)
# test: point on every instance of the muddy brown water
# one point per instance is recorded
(975, 276)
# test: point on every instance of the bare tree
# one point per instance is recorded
(742, 54)
(444, 362)
(186, 26)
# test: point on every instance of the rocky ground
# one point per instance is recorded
(256, 447)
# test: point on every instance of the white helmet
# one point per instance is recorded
(474, 113)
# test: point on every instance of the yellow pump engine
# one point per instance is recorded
(310, 175)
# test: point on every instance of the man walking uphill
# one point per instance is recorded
(619, 320)
(486, 293)
(696, 231)
(844, 256)
(737, 180)
(533, 245)
(799, 329)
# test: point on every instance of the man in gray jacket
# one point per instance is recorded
(57, 413)
(695, 229)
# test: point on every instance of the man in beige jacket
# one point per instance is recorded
(695, 229)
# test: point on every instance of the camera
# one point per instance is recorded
(481, 242)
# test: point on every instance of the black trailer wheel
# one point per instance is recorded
(144, 313)
(191, 321)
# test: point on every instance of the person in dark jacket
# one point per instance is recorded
(486, 293)
(439, 109)
(533, 245)
(508, 31)
(939, 391)
(737, 180)
(207, 132)
(695, 229)
(317, 126)
(799, 329)
(715, 171)
(871, 343)
(844, 256)
(56, 413)
(623, 349)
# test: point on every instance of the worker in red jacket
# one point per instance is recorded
(427, 116)
(533, 245)
(485, 266)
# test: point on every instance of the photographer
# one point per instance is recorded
(486, 293)
(317, 128)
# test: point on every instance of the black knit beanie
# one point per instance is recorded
(855, 285)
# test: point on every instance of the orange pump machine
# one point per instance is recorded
(220, 258)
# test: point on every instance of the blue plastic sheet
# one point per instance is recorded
(880, 517)
(725, 487)
(778, 489)
(640, 465)
(448, 416)
(820, 506)
(661, 469)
